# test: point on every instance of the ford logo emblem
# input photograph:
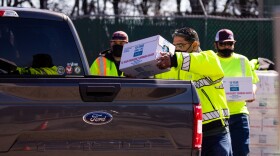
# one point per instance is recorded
(97, 118)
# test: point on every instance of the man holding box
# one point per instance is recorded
(107, 64)
(236, 65)
(206, 74)
(185, 40)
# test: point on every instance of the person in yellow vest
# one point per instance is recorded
(42, 64)
(185, 40)
(207, 75)
(236, 65)
(38, 71)
(108, 62)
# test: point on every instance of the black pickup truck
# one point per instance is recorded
(51, 105)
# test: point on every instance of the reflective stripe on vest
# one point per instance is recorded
(101, 61)
(242, 66)
(34, 71)
(226, 112)
(186, 62)
(214, 115)
(210, 115)
(41, 71)
(205, 82)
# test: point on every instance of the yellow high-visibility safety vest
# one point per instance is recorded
(176, 73)
(207, 75)
(184, 75)
(173, 73)
(104, 67)
(238, 66)
(38, 71)
(254, 64)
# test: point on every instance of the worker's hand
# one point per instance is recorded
(164, 60)
(251, 100)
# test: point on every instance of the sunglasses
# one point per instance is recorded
(223, 44)
(181, 45)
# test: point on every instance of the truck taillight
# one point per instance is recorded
(197, 127)
(8, 13)
(1, 13)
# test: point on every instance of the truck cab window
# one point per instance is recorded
(39, 45)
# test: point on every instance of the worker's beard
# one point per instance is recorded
(225, 52)
(117, 50)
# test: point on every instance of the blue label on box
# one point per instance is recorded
(234, 86)
(138, 50)
(165, 48)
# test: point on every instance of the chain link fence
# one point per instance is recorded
(254, 36)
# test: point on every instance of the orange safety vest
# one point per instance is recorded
(104, 67)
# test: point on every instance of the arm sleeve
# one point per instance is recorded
(38, 71)
(254, 64)
(250, 71)
(205, 63)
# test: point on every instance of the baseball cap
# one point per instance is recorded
(119, 36)
(224, 35)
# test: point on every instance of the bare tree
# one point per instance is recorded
(9, 2)
(243, 8)
(116, 6)
(85, 7)
(16, 3)
(29, 2)
(196, 8)
(215, 5)
(105, 7)
(43, 4)
(76, 8)
(178, 3)
(249, 8)
(92, 7)
(157, 7)
(144, 7)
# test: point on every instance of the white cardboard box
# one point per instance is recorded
(268, 83)
(265, 101)
(139, 57)
(263, 123)
(264, 139)
(238, 88)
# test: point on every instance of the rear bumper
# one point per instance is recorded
(105, 153)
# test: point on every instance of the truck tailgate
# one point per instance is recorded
(100, 116)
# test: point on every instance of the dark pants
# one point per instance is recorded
(217, 145)
(239, 132)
